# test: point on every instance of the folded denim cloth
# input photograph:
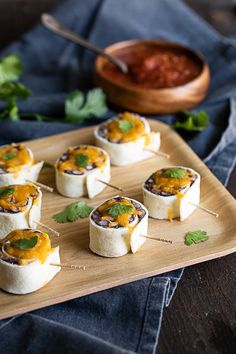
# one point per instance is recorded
(125, 319)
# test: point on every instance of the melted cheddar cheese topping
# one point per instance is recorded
(169, 184)
(13, 157)
(96, 158)
(138, 130)
(18, 200)
(39, 252)
(123, 219)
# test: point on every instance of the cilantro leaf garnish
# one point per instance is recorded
(9, 156)
(25, 243)
(79, 108)
(73, 212)
(125, 125)
(195, 237)
(10, 92)
(193, 122)
(119, 209)
(10, 68)
(7, 191)
(82, 160)
(174, 173)
(47, 165)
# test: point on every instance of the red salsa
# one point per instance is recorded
(154, 67)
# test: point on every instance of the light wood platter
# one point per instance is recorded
(154, 257)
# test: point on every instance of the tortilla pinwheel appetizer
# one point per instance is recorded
(127, 139)
(20, 207)
(172, 192)
(117, 226)
(17, 165)
(26, 261)
(81, 170)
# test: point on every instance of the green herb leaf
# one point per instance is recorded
(10, 92)
(119, 209)
(14, 90)
(47, 165)
(193, 122)
(25, 243)
(195, 237)
(7, 191)
(82, 160)
(73, 212)
(10, 68)
(125, 125)
(79, 108)
(174, 173)
(9, 156)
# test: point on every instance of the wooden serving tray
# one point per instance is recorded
(154, 257)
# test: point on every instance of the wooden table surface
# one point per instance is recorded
(202, 315)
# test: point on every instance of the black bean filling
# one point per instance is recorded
(149, 186)
(14, 210)
(7, 259)
(96, 215)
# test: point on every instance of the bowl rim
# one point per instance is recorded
(132, 42)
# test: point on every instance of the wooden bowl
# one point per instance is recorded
(153, 100)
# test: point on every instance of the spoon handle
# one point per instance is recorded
(52, 24)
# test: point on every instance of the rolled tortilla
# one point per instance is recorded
(17, 165)
(20, 207)
(127, 139)
(116, 236)
(79, 170)
(167, 197)
(25, 271)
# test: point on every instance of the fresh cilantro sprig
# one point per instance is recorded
(73, 212)
(9, 156)
(79, 107)
(195, 237)
(10, 90)
(125, 125)
(119, 209)
(25, 243)
(82, 160)
(7, 191)
(178, 173)
(10, 68)
(193, 122)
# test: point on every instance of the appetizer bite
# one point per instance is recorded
(127, 139)
(20, 207)
(172, 192)
(117, 226)
(81, 170)
(17, 165)
(26, 261)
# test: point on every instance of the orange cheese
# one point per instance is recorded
(40, 251)
(122, 220)
(170, 185)
(15, 163)
(95, 156)
(170, 214)
(17, 201)
(138, 130)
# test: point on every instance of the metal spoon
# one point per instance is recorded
(52, 24)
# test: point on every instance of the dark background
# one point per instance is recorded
(202, 315)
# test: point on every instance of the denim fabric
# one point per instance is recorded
(125, 319)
